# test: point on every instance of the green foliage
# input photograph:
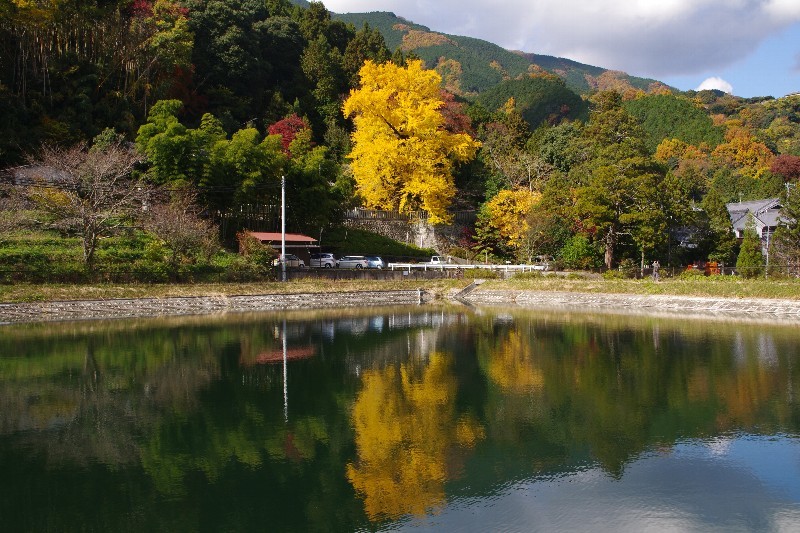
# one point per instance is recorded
(750, 262)
(343, 241)
(479, 273)
(674, 117)
(537, 99)
(692, 273)
(578, 253)
(534, 274)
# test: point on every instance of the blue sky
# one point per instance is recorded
(747, 47)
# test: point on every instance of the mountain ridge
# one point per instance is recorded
(484, 64)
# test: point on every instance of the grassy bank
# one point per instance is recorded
(717, 286)
(32, 292)
(711, 286)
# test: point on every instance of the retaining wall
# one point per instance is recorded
(752, 308)
(154, 307)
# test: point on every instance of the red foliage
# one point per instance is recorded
(787, 166)
(183, 88)
(142, 8)
(455, 121)
(288, 128)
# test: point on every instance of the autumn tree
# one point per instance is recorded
(507, 217)
(89, 191)
(787, 166)
(175, 220)
(402, 156)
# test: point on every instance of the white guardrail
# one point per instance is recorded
(452, 266)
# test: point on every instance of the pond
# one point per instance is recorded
(405, 418)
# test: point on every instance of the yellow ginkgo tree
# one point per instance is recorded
(403, 157)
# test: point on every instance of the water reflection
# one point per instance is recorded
(410, 417)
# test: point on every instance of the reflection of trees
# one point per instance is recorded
(619, 389)
(407, 437)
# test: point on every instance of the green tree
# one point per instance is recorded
(621, 184)
(750, 262)
(787, 236)
(723, 240)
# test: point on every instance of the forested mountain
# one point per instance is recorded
(471, 66)
(539, 99)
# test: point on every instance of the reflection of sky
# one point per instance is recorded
(742, 484)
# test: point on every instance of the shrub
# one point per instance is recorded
(692, 273)
(629, 268)
(480, 273)
(534, 274)
(613, 274)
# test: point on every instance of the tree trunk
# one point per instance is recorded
(610, 241)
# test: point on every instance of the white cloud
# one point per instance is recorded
(645, 37)
(715, 83)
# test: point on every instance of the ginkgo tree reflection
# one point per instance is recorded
(409, 437)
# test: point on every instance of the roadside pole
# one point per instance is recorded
(283, 228)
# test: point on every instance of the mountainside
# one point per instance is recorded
(539, 99)
(470, 66)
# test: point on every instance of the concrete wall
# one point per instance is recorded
(418, 233)
(201, 305)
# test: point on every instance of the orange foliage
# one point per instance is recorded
(422, 39)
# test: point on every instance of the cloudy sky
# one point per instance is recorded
(747, 47)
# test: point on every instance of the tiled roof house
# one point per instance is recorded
(766, 216)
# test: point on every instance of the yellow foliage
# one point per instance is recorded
(402, 157)
(508, 213)
(512, 366)
(752, 157)
(406, 434)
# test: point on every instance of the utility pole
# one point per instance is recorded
(283, 228)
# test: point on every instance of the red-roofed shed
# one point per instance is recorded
(293, 240)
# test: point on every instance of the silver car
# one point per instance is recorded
(352, 261)
(373, 261)
(292, 261)
(322, 260)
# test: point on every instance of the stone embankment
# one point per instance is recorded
(200, 305)
(751, 308)
(739, 308)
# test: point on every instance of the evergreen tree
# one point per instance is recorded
(787, 236)
(750, 262)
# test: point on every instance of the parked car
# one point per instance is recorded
(373, 261)
(352, 261)
(322, 260)
(292, 261)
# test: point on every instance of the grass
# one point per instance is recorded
(716, 286)
(711, 286)
(28, 292)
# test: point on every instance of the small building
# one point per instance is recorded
(766, 216)
(297, 243)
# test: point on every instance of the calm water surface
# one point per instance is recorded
(408, 418)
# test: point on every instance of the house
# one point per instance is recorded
(766, 216)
